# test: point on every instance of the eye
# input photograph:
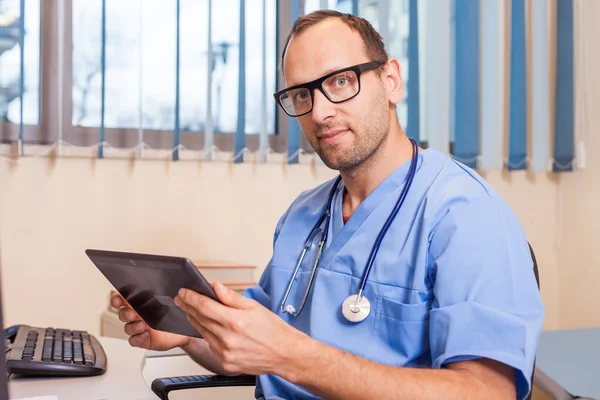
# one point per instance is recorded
(341, 81)
(301, 96)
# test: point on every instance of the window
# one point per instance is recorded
(63, 72)
(141, 69)
(10, 62)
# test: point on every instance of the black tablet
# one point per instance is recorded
(149, 283)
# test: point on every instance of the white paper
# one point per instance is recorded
(39, 398)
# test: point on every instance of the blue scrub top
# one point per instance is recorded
(453, 279)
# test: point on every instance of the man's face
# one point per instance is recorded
(345, 134)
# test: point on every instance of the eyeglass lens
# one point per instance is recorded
(337, 88)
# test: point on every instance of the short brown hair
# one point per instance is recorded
(374, 47)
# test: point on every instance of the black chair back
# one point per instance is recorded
(537, 279)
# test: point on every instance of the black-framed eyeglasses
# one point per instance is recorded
(337, 86)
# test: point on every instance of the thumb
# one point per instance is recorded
(230, 297)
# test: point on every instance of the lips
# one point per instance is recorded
(333, 135)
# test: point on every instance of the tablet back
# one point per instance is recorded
(149, 283)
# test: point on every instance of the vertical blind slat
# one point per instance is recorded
(517, 156)
(240, 133)
(492, 84)
(103, 80)
(208, 126)
(466, 81)
(293, 126)
(177, 80)
(438, 74)
(139, 150)
(540, 117)
(264, 138)
(21, 72)
(383, 13)
(413, 98)
(564, 111)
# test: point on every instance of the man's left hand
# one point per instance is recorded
(243, 335)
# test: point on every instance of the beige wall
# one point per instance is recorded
(50, 212)
(580, 193)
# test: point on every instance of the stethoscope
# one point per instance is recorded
(356, 307)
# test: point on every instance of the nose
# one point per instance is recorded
(322, 108)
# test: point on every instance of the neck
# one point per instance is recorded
(393, 152)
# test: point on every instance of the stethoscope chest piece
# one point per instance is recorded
(356, 312)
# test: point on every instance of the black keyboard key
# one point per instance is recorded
(88, 349)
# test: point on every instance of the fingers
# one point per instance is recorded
(204, 324)
(127, 314)
(198, 319)
(207, 334)
(140, 340)
(201, 307)
(116, 300)
(231, 298)
(135, 328)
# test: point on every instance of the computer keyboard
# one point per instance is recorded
(53, 352)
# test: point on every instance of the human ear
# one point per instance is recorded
(393, 80)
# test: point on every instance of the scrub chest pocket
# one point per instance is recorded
(400, 334)
(394, 333)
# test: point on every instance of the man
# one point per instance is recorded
(454, 308)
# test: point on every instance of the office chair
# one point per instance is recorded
(162, 386)
(537, 280)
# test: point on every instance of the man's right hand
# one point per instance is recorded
(140, 334)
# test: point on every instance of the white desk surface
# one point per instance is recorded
(122, 379)
(128, 377)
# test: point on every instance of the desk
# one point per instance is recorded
(122, 379)
(572, 358)
(129, 375)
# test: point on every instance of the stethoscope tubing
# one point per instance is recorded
(326, 216)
